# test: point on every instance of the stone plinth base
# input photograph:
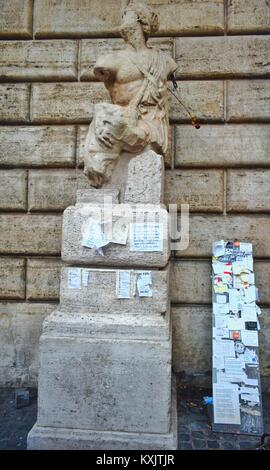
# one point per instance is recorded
(113, 382)
(52, 438)
(105, 378)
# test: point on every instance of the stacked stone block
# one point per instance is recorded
(47, 92)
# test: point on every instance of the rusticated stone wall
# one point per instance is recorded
(47, 91)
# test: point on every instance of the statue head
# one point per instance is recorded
(138, 14)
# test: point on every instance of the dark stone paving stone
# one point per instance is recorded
(3, 443)
(185, 446)
(14, 445)
(199, 444)
(182, 427)
(226, 445)
(213, 445)
(246, 445)
(199, 417)
(227, 437)
(3, 432)
(197, 435)
(214, 435)
(198, 426)
(184, 437)
(249, 438)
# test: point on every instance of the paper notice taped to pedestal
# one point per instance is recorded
(120, 231)
(74, 278)
(146, 236)
(123, 284)
(144, 283)
(227, 407)
(93, 235)
(85, 277)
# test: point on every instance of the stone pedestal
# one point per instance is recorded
(105, 362)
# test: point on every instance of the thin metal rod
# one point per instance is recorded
(182, 104)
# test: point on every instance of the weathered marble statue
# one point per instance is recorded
(136, 79)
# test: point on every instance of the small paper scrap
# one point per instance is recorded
(120, 231)
(85, 277)
(250, 357)
(250, 338)
(144, 283)
(74, 278)
(220, 309)
(219, 248)
(93, 235)
(123, 283)
(246, 248)
(221, 299)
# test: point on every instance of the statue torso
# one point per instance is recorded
(125, 76)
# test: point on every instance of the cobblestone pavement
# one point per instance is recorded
(15, 423)
(194, 431)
